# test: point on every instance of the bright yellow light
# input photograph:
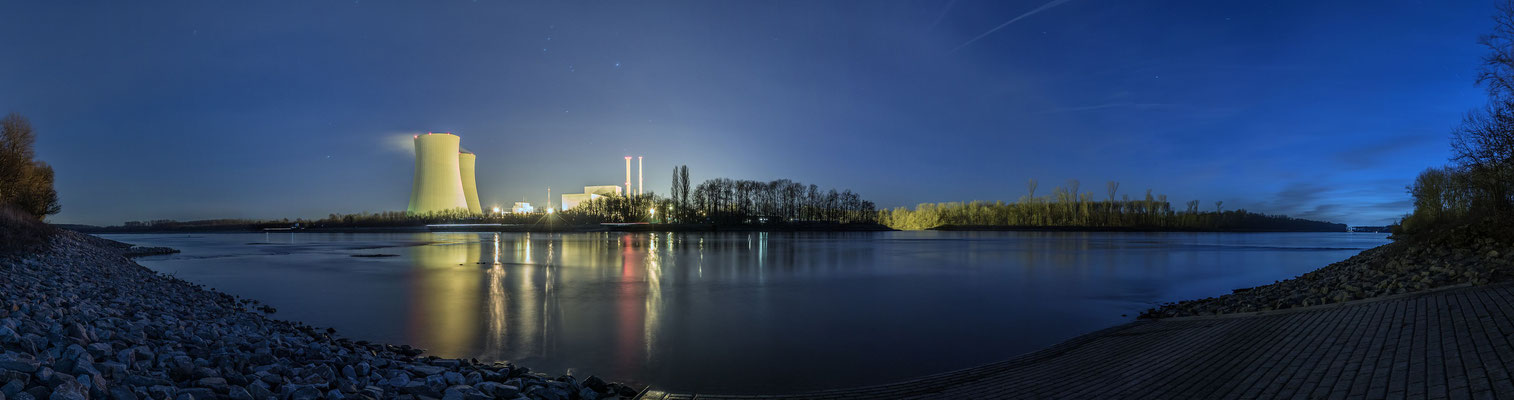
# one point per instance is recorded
(653, 211)
(549, 211)
(496, 210)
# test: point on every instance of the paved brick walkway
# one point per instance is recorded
(1453, 343)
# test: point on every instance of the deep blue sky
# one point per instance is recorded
(210, 109)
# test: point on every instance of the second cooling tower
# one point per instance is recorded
(438, 185)
(465, 161)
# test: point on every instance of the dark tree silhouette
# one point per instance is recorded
(1480, 181)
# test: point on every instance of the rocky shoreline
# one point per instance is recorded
(143, 251)
(81, 321)
(1473, 254)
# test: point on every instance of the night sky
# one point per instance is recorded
(219, 109)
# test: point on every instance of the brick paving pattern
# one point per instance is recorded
(1456, 343)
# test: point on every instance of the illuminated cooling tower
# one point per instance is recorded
(438, 179)
(470, 191)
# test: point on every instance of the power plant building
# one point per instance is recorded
(444, 179)
(571, 200)
(603, 190)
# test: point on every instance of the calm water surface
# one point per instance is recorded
(736, 312)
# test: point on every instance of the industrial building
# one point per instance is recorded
(603, 190)
(570, 200)
(444, 179)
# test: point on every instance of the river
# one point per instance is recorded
(735, 312)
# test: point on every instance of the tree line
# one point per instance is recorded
(730, 201)
(1065, 207)
(1479, 182)
(716, 201)
(352, 220)
(617, 209)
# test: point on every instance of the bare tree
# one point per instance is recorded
(1112, 187)
(683, 190)
(1497, 73)
(1484, 144)
(1072, 188)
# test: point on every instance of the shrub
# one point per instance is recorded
(22, 233)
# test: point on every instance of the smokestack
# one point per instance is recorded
(641, 186)
(628, 175)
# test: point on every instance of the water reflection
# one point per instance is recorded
(464, 307)
(653, 297)
(448, 275)
(497, 296)
(736, 312)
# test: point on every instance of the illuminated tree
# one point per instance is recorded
(25, 183)
(1112, 187)
(1063, 209)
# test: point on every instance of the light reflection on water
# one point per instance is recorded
(735, 312)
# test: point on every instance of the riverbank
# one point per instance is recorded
(79, 320)
(1436, 344)
(1423, 317)
(1477, 254)
(1132, 229)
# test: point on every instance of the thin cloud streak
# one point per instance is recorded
(1108, 105)
(1043, 7)
(942, 16)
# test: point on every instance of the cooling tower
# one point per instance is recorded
(438, 177)
(470, 191)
